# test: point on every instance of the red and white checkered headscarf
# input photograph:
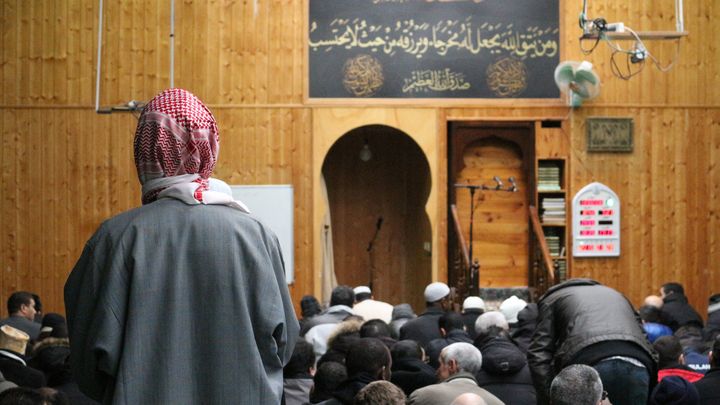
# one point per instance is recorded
(176, 142)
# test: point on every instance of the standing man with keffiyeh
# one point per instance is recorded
(182, 300)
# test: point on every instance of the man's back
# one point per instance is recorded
(445, 392)
(583, 322)
(23, 324)
(677, 312)
(176, 303)
(586, 312)
(424, 328)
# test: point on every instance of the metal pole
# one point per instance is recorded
(679, 21)
(172, 44)
(99, 57)
(470, 277)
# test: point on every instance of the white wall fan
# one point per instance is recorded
(578, 81)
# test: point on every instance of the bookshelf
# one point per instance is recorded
(552, 202)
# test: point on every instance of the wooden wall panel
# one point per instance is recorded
(666, 186)
(245, 59)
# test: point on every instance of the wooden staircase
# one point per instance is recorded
(464, 277)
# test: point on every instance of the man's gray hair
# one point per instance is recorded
(467, 356)
(576, 384)
(489, 319)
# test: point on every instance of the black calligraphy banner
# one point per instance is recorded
(433, 48)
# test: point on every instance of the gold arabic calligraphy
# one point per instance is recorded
(507, 77)
(434, 80)
(420, 38)
(362, 76)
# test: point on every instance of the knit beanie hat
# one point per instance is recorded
(674, 390)
(714, 304)
(510, 308)
(53, 325)
(402, 311)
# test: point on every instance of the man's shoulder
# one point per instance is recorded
(370, 303)
(321, 329)
(18, 322)
(446, 391)
(168, 214)
(158, 211)
(426, 395)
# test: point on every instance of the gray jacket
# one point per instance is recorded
(180, 304)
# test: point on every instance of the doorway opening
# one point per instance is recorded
(378, 182)
(499, 157)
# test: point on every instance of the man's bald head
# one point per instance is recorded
(654, 301)
(469, 399)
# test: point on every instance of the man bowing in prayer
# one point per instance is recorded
(182, 300)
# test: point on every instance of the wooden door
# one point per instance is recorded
(500, 240)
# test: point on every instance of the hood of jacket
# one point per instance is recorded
(51, 342)
(675, 297)
(344, 328)
(500, 356)
(347, 390)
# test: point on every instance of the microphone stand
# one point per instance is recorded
(369, 250)
(474, 270)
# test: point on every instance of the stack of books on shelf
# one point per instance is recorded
(549, 178)
(553, 211)
(561, 270)
(553, 244)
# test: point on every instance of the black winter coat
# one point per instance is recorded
(709, 387)
(20, 374)
(505, 372)
(424, 328)
(522, 332)
(436, 345)
(575, 315)
(677, 312)
(411, 374)
(346, 391)
(713, 326)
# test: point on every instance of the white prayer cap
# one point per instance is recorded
(473, 302)
(362, 289)
(511, 307)
(436, 292)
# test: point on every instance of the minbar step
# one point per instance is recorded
(494, 296)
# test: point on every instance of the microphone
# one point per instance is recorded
(379, 223)
(498, 181)
(511, 179)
